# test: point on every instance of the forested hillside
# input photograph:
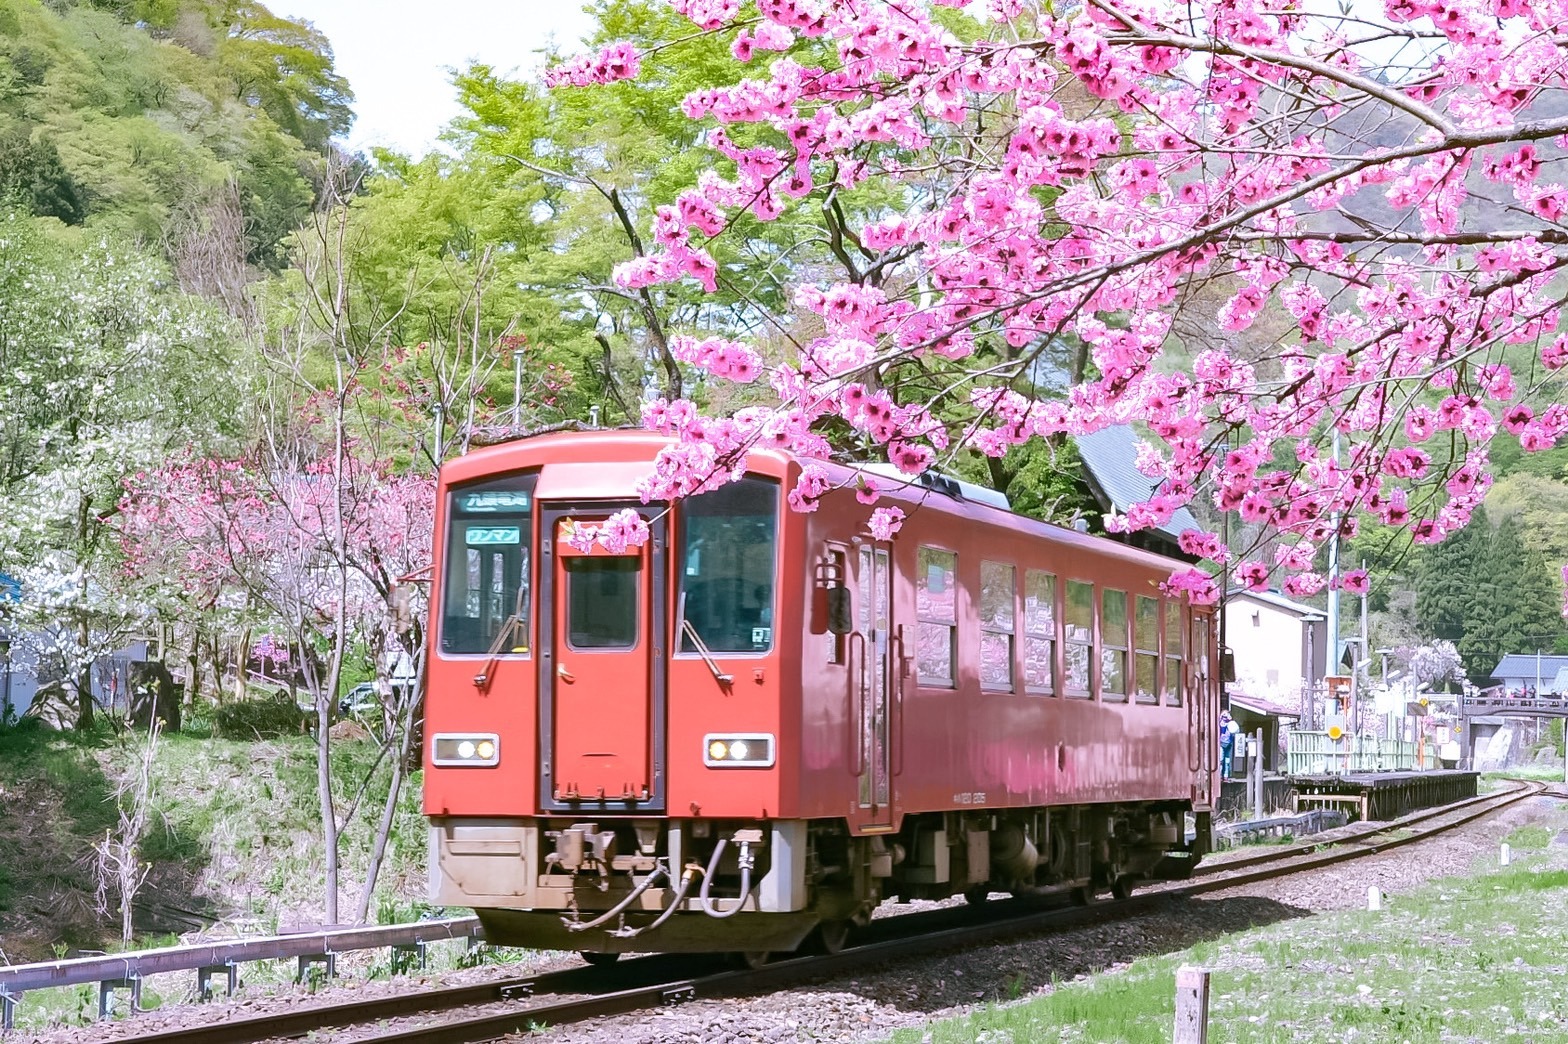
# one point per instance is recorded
(172, 121)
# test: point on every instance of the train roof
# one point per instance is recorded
(585, 446)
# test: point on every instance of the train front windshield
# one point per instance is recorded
(488, 552)
(728, 559)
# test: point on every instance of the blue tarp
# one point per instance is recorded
(10, 589)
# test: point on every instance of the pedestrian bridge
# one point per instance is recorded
(1554, 706)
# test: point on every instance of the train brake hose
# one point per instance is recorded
(747, 861)
(689, 875)
(620, 907)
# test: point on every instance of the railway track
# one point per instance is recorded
(587, 993)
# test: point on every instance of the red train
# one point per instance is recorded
(763, 722)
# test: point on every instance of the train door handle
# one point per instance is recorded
(857, 703)
(566, 675)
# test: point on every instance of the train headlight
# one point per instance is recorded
(738, 750)
(465, 750)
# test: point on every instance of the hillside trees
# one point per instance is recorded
(108, 369)
(121, 116)
(312, 526)
(1405, 220)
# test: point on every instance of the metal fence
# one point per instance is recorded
(1316, 754)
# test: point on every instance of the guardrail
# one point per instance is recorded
(127, 970)
(1314, 821)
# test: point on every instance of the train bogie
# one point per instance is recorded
(761, 722)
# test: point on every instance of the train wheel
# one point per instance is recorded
(597, 959)
(753, 959)
(1122, 887)
(833, 935)
(1086, 895)
(977, 895)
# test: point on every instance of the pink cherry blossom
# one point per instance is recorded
(1366, 255)
(885, 522)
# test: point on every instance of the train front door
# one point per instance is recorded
(601, 682)
(876, 678)
(1203, 706)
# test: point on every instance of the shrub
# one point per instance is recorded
(257, 719)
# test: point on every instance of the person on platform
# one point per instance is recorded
(1228, 732)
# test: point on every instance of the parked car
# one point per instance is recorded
(360, 700)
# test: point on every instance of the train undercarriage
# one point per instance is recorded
(616, 885)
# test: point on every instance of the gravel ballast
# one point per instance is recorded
(871, 1003)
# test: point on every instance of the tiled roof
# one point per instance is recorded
(1109, 455)
(1523, 665)
(1275, 599)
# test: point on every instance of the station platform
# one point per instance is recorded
(1383, 795)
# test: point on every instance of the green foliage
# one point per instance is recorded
(1514, 601)
(260, 719)
(1490, 594)
(1529, 837)
(125, 115)
(1041, 480)
(32, 175)
(1448, 578)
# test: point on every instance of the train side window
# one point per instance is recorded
(1146, 645)
(998, 600)
(1113, 646)
(1080, 638)
(936, 614)
(837, 572)
(1172, 686)
(1039, 632)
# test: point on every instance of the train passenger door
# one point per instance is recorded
(1203, 706)
(601, 668)
(875, 680)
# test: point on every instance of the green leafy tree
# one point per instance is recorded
(127, 116)
(107, 370)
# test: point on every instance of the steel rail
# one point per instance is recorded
(1003, 922)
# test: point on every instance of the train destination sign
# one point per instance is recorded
(484, 535)
(493, 500)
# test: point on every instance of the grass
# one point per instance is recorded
(1528, 837)
(1466, 959)
(236, 829)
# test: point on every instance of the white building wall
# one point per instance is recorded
(1269, 648)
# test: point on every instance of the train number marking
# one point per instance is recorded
(969, 797)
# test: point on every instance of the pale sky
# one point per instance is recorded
(396, 54)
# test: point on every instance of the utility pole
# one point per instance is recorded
(1331, 653)
(1364, 654)
(517, 389)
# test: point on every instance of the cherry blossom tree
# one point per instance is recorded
(315, 555)
(312, 528)
(1316, 251)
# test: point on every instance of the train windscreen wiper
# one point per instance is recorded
(511, 629)
(702, 647)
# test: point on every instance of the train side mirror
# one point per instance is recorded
(840, 619)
